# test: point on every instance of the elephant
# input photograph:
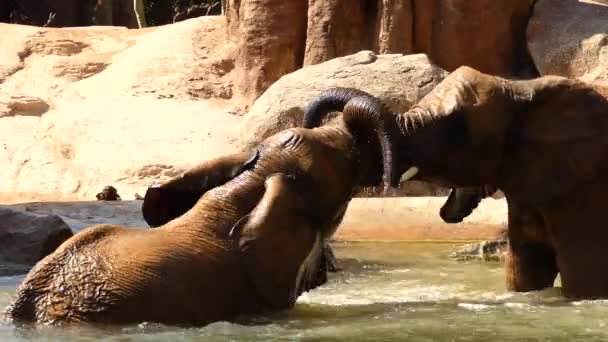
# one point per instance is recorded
(542, 141)
(460, 202)
(251, 245)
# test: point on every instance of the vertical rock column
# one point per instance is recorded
(270, 35)
(337, 28)
(488, 35)
(394, 27)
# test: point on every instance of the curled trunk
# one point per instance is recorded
(365, 117)
(332, 100)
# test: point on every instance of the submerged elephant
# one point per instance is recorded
(543, 142)
(248, 246)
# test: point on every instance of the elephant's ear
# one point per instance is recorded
(165, 202)
(562, 142)
(278, 245)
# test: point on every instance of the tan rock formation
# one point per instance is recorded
(270, 40)
(86, 107)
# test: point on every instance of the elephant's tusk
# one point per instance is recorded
(411, 172)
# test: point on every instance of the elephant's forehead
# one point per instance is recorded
(456, 92)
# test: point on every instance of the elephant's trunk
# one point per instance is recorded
(460, 203)
(334, 99)
(363, 113)
(370, 115)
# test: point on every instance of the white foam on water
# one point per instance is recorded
(474, 306)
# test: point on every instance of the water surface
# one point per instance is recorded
(387, 292)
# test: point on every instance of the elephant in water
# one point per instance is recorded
(543, 142)
(249, 246)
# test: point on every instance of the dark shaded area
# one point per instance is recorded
(70, 13)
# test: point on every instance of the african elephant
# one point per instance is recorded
(461, 201)
(167, 201)
(543, 142)
(248, 246)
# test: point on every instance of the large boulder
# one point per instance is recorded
(570, 38)
(26, 238)
(398, 80)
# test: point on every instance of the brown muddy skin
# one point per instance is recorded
(192, 270)
(543, 142)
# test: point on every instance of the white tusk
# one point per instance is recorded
(411, 172)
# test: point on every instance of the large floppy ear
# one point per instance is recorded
(165, 202)
(559, 142)
(278, 245)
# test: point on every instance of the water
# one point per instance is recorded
(387, 292)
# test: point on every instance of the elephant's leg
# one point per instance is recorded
(330, 259)
(531, 262)
(581, 271)
(530, 266)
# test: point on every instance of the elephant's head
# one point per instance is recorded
(165, 202)
(461, 202)
(281, 243)
(475, 129)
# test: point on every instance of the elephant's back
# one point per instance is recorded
(91, 277)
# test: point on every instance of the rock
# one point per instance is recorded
(492, 250)
(26, 238)
(335, 28)
(18, 104)
(121, 107)
(395, 27)
(109, 193)
(495, 29)
(270, 43)
(397, 80)
(276, 37)
(570, 38)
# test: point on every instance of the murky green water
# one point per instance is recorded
(387, 292)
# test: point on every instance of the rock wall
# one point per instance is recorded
(570, 38)
(486, 34)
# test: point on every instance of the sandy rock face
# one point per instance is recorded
(26, 238)
(270, 34)
(398, 80)
(569, 38)
(485, 34)
(336, 28)
(86, 107)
